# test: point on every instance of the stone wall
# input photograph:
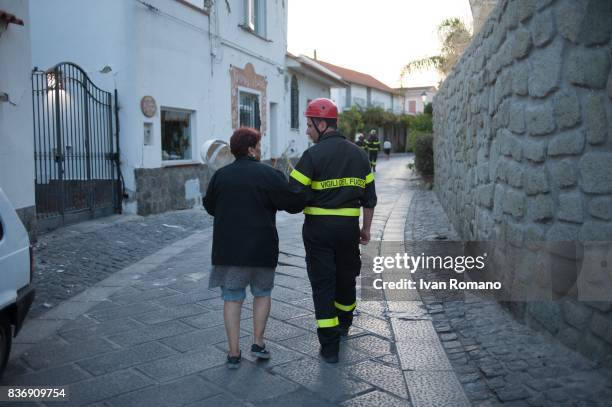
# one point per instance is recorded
(170, 188)
(523, 145)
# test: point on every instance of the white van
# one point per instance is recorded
(16, 272)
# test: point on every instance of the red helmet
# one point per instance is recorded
(322, 108)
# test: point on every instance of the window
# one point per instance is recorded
(176, 135)
(249, 110)
(255, 13)
(412, 106)
(295, 103)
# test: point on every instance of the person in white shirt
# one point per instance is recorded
(387, 148)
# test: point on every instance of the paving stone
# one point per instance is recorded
(218, 401)
(98, 329)
(177, 393)
(387, 378)
(45, 355)
(447, 389)
(283, 311)
(298, 398)
(121, 359)
(150, 333)
(277, 330)
(371, 345)
(55, 376)
(197, 339)
(170, 314)
(374, 399)
(184, 364)
(89, 391)
(326, 381)
(309, 345)
(422, 356)
(279, 354)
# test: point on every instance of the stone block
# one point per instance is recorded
(547, 313)
(609, 88)
(577, 315)
(536, 182)
(596, 172)
(593, 74)
(545, 70)
(540, 208)
(563, 173)
(570, 207)
(595, 118)
(601, 325)
(521, 44)
(594, 231)
(540, 119)
(562, 232)
(520, 78)
(525, 8)
(534, 151)
(567, 109)
(543, 29)
(568, 143)
(514, 203)
(601, 207)
(485, 195)
(514, 174)
(534, 233)
(569, 16)
(597, 26)
(516, 122)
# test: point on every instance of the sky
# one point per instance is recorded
(374, 37)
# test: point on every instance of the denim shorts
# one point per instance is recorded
(239, 294)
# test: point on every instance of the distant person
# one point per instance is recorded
(244, 197)
(373, 146)
(361, 141)
(387, 148)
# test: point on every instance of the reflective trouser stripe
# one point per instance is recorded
(370, 178)
(311, 210)
(345, 307)
(301, 178)
(339, 182)
(328, 323)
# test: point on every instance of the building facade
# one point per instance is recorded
(416, 98)
(16, 143)
(184, 71)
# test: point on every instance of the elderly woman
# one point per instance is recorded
(244, 197)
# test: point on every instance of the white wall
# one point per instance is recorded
(360, 94)
(16, 128)
(309, 89)
(168, 54)
(380, 98)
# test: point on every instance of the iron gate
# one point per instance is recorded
(76, 155)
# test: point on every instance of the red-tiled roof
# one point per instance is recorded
(357, 77)
(10, 18)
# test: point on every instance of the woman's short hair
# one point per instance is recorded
(242, 139)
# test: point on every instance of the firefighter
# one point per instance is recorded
(361, 141)
(335, 176)
(373, 146)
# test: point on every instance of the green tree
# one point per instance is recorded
(351, 122)
(454, 37)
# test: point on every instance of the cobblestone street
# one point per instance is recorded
(129, 321)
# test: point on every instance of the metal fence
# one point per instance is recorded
(76, 151)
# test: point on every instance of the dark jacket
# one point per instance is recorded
(244, 197)
(335, 174)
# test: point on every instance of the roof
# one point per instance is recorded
(10, 18)
(416, 88)
(356, 77)
(311, 68)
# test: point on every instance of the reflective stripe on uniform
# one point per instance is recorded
(328, 323)
(345, 307)
(369, 178)
(301, 178)
(311, 210)
(339, 182)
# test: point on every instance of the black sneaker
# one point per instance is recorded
(233, 362)
(260, 351)
(344, 331)
(329, 357)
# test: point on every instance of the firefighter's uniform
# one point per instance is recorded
(373, 146)
(336, 177)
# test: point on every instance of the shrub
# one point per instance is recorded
(423, 153)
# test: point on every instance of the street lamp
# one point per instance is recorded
(424, 98)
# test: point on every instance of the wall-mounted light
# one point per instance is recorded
(55, 80)
(424, 98)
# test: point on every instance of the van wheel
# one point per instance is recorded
(5, 342)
